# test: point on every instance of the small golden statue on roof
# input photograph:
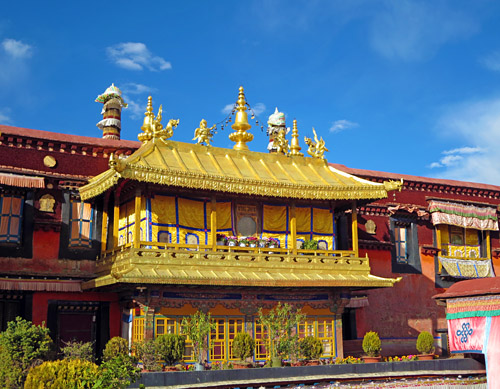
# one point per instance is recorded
(280, 143)
(152, 127)
(316, 148)
(204, 134)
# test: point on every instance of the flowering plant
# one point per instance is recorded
(252, 239)
(233, 239)
(404, 358)
(221, 237)
(273, 241)
(348, 361)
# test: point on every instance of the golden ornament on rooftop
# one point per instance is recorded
(280, 143)
(241, 125)
(294, 147)
(152, 129)
(204, 133)
(317, 148)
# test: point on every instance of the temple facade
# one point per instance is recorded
(102, 237)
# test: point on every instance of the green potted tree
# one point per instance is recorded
(243, 348)
(170, 349)
(425, 346)
(147, 352)
(281, 323)
(372, 347)
(197, 328)
(311, 349)
(309, 245)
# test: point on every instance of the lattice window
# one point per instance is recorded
(80, 222)
(11, 211)
(400, 241)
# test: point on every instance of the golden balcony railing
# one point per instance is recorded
(166, 263)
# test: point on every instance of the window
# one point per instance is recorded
(400, 238)
(458, 242)
(80, 224)
(404, 237)
(11, 208)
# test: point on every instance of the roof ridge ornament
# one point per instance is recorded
(317, 148)
(241, 125)
(294, 145)
(152, 129)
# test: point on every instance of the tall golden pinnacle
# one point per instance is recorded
(294, 145)
(148, 125)
(241, 125)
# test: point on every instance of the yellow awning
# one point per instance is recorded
(200, 167)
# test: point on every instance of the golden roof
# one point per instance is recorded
(242, 172)
(162, 161)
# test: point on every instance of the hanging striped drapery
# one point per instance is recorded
(462, 215)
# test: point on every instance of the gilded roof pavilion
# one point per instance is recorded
(284, 176)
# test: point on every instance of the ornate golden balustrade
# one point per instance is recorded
(162, 263)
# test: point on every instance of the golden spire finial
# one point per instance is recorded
(294, 145)
(148, 124)
(241, 125)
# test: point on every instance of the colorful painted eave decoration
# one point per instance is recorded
(194, 166)
(463, 215)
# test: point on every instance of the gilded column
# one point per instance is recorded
(213, 222)
(104, 229)
(354, 217)
(116, 218)
(137, 218)
(293, 227)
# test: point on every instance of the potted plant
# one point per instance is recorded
(232, 240)
(372, 347)
(425, 346)
(311, 244)
(272, 243)
(311, 349)
(146, 351)
(280, 324)
(170, 348)
(221, 239)
(197, 327)
(244, 242)
(252, 241)
(262, 242)
(243, 348)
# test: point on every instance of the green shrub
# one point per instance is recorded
(21, 346)
(78, 350)
(146, 351)
(311, 347)
(197, 327)
(117, 372)
(170, 348)
(309, 244)
(372, 344)
(62, 374)
(425, 343)
(243, 346)
(115, 346)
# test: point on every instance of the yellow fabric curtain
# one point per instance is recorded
(274, 221)
(192, 218)
(163, 217)
(303, 216)
(323, 228)
(126, 223)
(224, 220)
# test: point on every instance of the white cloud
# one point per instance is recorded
(227, 109)
(492, 61)
(341, 125)
(132, 88)
(5, 116)
(136, 56)
(258, 108)
(17, 49)
(464, 150)
(411, 30)
(135, 110)
(477, 123)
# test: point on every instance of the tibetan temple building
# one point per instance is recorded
(102, 237)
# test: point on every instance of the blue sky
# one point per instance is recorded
(401, 86)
